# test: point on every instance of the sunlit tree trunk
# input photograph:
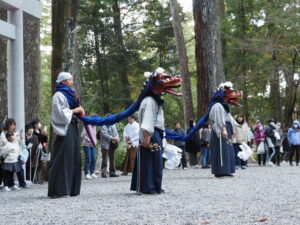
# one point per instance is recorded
(210, 71)
(32, 67)
(120, 56)
(183, 63)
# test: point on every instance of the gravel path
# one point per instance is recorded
(257, 195)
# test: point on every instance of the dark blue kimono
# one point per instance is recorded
(222, 155)
(222, 164)
(148, 168)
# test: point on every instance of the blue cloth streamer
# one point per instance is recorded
(110, 120)
(69, 94)
(218, 97)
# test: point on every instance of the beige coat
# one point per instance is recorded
(241, 133)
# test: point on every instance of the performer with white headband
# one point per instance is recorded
(65, 165)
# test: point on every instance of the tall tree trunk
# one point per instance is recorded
(275, 89)
(101, 68)
(291, 92)
(242, 17)
(32, 67)
(121, 56)
(275, 96)
(59, 42)
(3, 71)
(210, 71)
(73, 48)
(63, 12)
(183, 63)
(221, 9)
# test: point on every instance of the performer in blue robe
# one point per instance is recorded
(222, 151)
(148, 169)
(218, 114)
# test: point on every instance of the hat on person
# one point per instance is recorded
(63, 76)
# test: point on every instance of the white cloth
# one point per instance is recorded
(132, 131)
(63, 76)
(246, 152)
(171, 154)
(150, 116)
(61, 114)
(218, 117)
(11, 152)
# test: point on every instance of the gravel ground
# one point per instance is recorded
(257, 195)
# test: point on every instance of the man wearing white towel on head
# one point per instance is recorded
(65, 163)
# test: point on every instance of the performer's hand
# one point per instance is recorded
(224, 133)
(145, 145)
(146, 142)
(78, 110)
(114, 140)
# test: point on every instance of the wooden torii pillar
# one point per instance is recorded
(13, 31)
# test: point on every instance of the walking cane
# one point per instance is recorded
(221, 149)
(37, 159)
(30, 163)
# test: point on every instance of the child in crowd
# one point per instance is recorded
(10, 152)
(10, 126)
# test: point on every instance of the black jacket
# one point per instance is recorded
(269, 132)
(192, 145)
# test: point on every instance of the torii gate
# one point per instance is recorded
(13, 31)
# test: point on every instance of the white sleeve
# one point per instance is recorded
(60, 113)
(148, 116)
(217, 116)
(3, 138)
(4, 151)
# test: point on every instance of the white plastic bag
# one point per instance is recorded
(261, 148)
(245, 153)
(281, 149)
(24, 153)
(277, 135)
(172, 155)
(270, 143)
